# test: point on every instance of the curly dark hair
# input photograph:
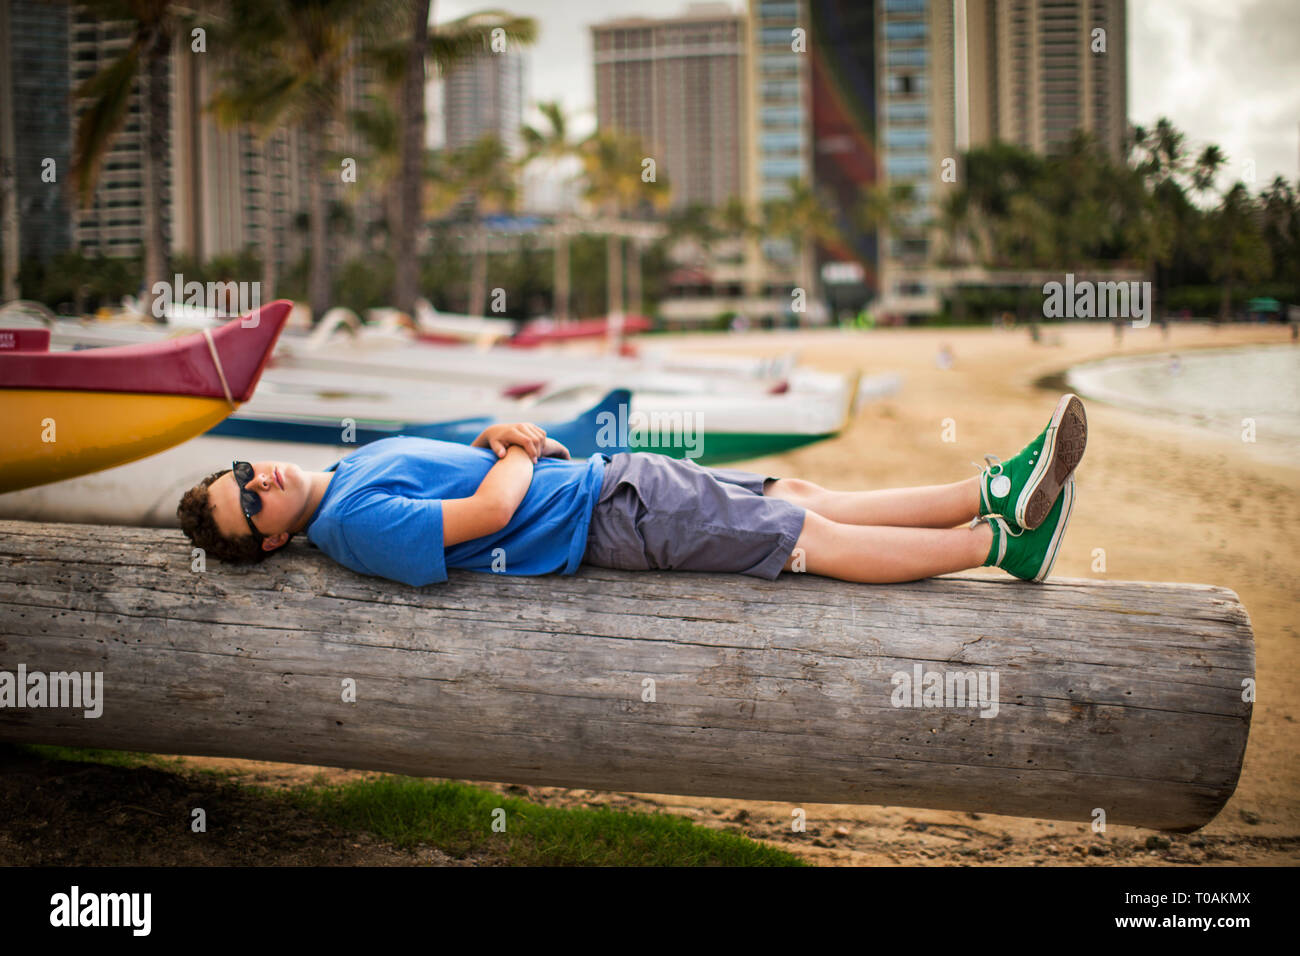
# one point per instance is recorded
(195, 512)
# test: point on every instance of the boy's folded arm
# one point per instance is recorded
(495, 502)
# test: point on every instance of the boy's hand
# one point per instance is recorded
(553, 449)
(500, 437)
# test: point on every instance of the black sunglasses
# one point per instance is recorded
(249, 501)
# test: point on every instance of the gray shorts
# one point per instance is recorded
(656, 512)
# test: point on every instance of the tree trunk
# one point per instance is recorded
(270, 270)
(614, 297)
(478, 272)
(634, 277)
(753, 273)
(806, 279)
(561, 305)
(318, 288)
(9, 235)
(410, 206)
(802, 689)
(154, 127)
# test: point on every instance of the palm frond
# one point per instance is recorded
(457, 40)
(97, 127)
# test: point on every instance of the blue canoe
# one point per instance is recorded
(584, 435)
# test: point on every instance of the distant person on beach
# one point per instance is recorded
(409, 509)
(944, 359)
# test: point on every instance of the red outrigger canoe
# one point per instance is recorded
(71, 413)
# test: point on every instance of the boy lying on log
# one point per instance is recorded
(511, 502)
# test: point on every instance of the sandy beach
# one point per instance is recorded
(1167, 501)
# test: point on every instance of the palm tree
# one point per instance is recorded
(612, 162)
(485, 177)
(965, 233)
(405, 60)
(697, 223)
(1238, 250)
(1281, 215)
(1155, 158)
(410, 144)
(1164, 218)
(288, 60)
(153, 25)
(802, 217)
(735, 217)
(888, 208)
(554, 145)
(9, 234)
(1206, 169)
(379, 127)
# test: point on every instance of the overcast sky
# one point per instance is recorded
(1224, 71)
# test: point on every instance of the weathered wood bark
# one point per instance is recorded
(1120, 696)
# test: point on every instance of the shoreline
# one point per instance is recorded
(1088, 380)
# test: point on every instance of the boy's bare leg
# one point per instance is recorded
(927, 506)
(885, 555)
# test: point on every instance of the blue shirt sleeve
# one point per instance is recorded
(398, 538)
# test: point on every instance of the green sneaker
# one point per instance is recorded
(1029, 555)
(1024, 489)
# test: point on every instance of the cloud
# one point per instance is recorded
(1224, 74)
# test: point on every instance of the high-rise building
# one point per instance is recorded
(845, 101)
(229, 186)
(782, 135)
(678, 84)
(217, 187)
(1036, 70)
(1040, 69)
(917, 133)
(37, 63)
(484, 96)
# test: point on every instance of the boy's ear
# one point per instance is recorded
(276, 541)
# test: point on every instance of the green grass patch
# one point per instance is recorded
(113, 758)
(458, 819)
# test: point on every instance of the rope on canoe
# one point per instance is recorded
(216, 360)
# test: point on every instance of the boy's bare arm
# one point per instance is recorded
(533, 437)
(492, 506)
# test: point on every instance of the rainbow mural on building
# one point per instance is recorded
(841, 41)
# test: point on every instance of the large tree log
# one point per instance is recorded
(1126, 697)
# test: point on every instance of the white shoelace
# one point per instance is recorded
(993, 465)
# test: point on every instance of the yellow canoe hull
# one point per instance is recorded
(48, 435)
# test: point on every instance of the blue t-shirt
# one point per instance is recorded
(382, 512)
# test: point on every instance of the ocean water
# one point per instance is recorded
(1220, 390)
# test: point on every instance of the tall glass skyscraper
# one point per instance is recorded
(37, 59)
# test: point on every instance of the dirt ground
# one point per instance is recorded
(1168, 502)
(83, 814)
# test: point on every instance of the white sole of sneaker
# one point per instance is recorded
(1060, 455)
(1054, 546)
